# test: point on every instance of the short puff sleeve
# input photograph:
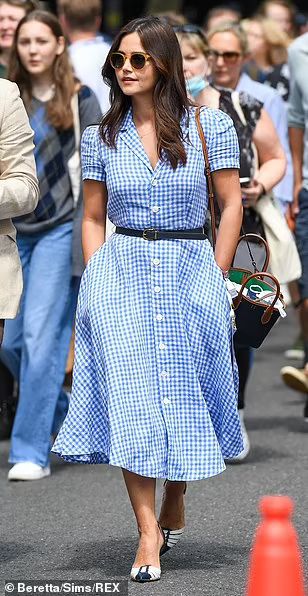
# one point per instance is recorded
(222, 140)
(93, 167)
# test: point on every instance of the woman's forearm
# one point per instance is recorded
(228, 235)
(271, 172)
(93, 236)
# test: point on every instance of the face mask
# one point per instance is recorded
(195, 85)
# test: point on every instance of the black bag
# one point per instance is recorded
(254, 318)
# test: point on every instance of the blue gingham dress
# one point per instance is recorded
(155, 381)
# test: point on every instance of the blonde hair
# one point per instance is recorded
(287, 4)
(195, 40)
(284, 3)
(231, 28)
(276, 39)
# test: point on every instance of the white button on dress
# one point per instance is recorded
(164, 374)
(156, 262)
(159, 317)
(155, 209)
(157, 289)
(167, 401)
(162, 346)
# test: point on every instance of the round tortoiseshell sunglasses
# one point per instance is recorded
(137, 60)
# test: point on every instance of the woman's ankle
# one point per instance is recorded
(148, 528)
(175, 488)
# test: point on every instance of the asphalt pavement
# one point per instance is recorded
(78, 525)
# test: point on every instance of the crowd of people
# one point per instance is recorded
(154, 343)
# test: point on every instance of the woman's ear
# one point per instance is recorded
(61, 46)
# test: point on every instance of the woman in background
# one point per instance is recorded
(36, 343)
(268, 47)
(257, 139)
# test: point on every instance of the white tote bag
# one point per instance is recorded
(284, 260)
(74, 163)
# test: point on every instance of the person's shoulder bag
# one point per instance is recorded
(254, 318)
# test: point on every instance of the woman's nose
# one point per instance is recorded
(185, 69)
(127, 65)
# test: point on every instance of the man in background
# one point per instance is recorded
(298, 133)
(81, 21)
(223, 13)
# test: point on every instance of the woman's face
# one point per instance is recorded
(281, 15)
(135, 82)
(38, 48)
(194, 62)
(9, 19)
(255, 37)
(226, 60)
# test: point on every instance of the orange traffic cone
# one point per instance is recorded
(275, 565)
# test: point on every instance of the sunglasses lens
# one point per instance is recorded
(117, 60)
(230, 57)
(137, 61)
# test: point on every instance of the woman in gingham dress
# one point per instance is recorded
(155, 382)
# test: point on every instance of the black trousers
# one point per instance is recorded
(244, 361)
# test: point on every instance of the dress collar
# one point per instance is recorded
(128, 132)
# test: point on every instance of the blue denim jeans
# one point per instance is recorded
(36, 343)
(301, 235)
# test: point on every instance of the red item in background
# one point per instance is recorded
(276, 566)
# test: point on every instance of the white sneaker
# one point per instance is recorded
(241, 456)
(27, 470)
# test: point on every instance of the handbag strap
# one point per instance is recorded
(257, 239)
(207, 171)
(208, 175)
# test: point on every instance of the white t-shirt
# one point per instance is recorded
(88, 57)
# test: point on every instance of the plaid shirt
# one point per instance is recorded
(53, 149)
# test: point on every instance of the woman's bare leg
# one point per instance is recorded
(141, 491)
(172, 513)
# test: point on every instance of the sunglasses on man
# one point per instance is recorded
(228, 57)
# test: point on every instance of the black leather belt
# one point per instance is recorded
(153, 234)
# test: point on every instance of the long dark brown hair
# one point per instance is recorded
(59, 111)
(169, 96)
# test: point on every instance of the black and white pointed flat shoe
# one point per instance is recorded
(145, 573)
(171, 539)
